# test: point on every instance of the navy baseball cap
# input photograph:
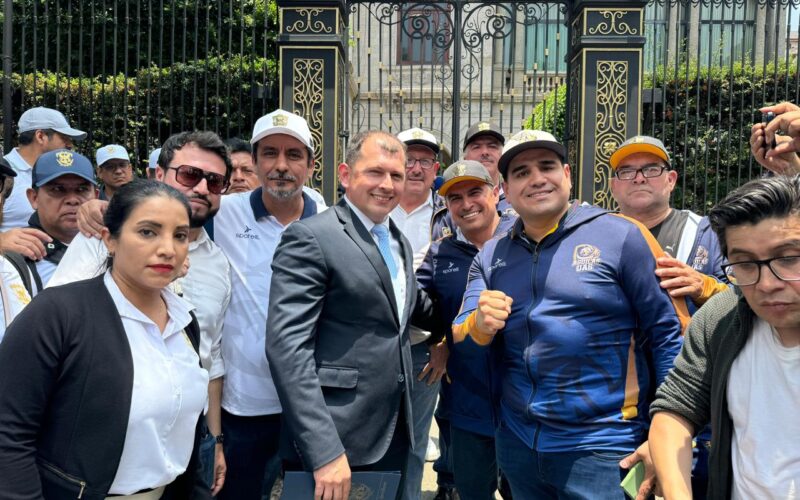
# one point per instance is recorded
(56, 163)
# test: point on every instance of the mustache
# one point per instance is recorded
(200, 197)
(280, 176)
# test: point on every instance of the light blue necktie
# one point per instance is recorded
(385, 247)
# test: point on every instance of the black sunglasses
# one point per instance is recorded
(190, 176)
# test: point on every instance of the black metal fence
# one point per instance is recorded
(135, 71)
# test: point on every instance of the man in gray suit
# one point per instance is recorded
(342, 296)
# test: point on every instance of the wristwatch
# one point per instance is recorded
(219, 438)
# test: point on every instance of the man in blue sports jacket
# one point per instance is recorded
(466, 395)
(582, 323)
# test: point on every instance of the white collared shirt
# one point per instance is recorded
(399, 281)
(248, 235)
(170, 389)
(17, 209)
(207, 286)
(415, 225)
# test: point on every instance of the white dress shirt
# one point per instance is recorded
(399, 281)
(415, 225)
(207, 287)
(170, 389)
(17, 209)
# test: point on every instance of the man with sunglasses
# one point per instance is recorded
(248, 227)
(738, 369)
(40, 130)
(197, 164)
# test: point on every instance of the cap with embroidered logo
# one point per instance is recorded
(111, 152)
(58, 162)
(48, 119)
(529, 139)
(481, 129)
(464, 170)
(283, 122)
(419, 136)
(639, 144)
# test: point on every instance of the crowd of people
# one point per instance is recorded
(205, 330)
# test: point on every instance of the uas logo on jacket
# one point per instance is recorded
(584, 257)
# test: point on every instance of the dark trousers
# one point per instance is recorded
(250, 445)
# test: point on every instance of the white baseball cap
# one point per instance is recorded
(111, 152)
(153, 161)
(418, 136)
(46, 118)
(283, 122)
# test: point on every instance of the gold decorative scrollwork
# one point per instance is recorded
(611, 100)
(308, 79)
(576, 30)
(574, 89)
(615, 24)
(306, 25)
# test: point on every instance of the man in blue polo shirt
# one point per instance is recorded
(584, 331)
(248, 227)
(466, 401)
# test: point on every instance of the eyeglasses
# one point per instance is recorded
(190, 176)
(110, 166)
(749, 272)
(648, 171)
(425, 163)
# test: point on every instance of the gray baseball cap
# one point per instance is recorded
(483, 128)
(464, 170)
(56, 163)
(46, 118)
(529, 139)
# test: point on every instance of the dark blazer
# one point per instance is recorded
(66, 379)
(338, 351)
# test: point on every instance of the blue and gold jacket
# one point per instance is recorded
(590, 331)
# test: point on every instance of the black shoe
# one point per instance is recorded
(444, 493)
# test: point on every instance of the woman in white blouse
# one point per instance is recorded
(101, 387)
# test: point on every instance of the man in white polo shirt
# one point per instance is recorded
(40, 130)
(248, 227)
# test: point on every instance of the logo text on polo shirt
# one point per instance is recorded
(584, 257)
(247, 234)
(497, 264)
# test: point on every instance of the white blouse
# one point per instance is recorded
(170, 389)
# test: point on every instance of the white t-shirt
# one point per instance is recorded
(248, 235)
(16, 294)
(17, 209)
(764, 403)
(415, 225)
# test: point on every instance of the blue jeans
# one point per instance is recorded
(568, 475)
(474, 464)
(251, 444)
(444, 464)
(423, 401)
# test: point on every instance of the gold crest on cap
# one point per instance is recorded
(64, 158)
(110, 149)
(638, 139)
(461, 169)
(280, 120)
(417, 134)
(483, 126)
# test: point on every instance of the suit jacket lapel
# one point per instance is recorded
(356, 230)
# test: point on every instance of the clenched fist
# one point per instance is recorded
(493, 310)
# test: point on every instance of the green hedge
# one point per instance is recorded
(222, 94)
(704, 119)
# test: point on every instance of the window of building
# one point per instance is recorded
(726, 33)
(424, 34)
(546, 42)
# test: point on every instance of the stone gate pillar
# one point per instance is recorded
(605, 64)
(311, 69)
